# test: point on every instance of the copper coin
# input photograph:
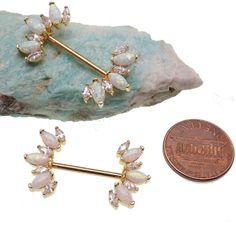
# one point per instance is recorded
(198, 150)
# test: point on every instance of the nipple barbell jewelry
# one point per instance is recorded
(44, 162)
(42, 31)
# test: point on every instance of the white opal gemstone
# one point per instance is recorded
(120, 70)
(98, 92)
(123, 147)
(34, 56)
(120, 49)
(136, 177)
(60, 135)
(37, 159)
(49, 139)
(132, 155)
(41, 180)
(66, 15)
(113, 199)
(28, 47)
(54, 14)
(35, 25)
(124, 195)
(124, 59)
(118, 81)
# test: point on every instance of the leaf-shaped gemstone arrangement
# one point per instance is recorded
(40, 28)
(130, 177)
(115, 77)
(42, 160)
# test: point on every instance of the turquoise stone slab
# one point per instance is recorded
(53, 88)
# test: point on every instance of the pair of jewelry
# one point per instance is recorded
(42, 31)
(44, 180)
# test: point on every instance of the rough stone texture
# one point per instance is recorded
(53, 87)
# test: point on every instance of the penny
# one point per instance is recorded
(198, 150)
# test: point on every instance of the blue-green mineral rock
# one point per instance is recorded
(53, 87)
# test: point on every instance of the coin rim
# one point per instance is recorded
(186, 176)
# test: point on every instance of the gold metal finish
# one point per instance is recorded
(86, 170)
(78, 56)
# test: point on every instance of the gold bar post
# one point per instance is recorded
(78, 56)
(86, 170)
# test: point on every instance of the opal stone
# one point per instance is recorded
(124, 195)
(35, 25)
(136, 177)
(41, 180)
(131, 155)
(98, 92)
(37, 159)
(49, 139)
(118, 81)
(29, 46)
(54, 14)
(124, 59)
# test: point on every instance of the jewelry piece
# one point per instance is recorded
(44, 162)
(42, 31)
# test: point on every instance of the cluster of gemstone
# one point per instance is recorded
(121, 59)
(130, 177)
(42, 160)
(40, 29)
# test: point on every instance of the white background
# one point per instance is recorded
(203, 34)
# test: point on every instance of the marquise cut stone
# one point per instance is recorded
(45, 150)
(37, 159)
(36, 37)
(131, 155)
(35, 56)
(46, 21)
(130, 186)
(107, 85)
(120, 49)
(50, 188)
(41, 180)
(49, 139)
(60, 135)
(35, 25)
(124, 59)
(54, 14)
(28, 47)
(86, 93)
(98, 92)
(136, 177)
(66, 15)
(118, 81)
(124, 195)
(113, 199)
(39, 170)
(123, 147)
(120, 70)
(134, 165)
